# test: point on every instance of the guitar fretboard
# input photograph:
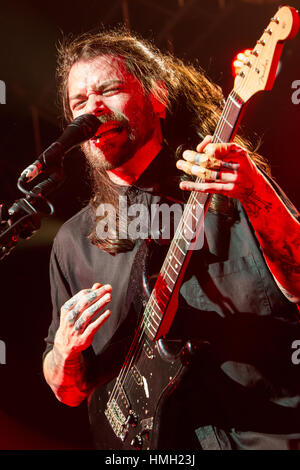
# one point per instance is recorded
(190, 231)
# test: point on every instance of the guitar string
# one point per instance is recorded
(157, 299)
(127, 365)
(141, 330)
(186, 224)
(194, 197)
(244, 86)
(143, 325)
(223, 122)
(220, 128)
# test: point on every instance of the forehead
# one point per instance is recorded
(86, 74)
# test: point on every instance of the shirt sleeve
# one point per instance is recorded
(60, 293)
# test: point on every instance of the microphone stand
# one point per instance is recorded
(23, 217)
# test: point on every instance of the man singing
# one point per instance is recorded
(240, 290)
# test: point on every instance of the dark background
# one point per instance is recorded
(210, 32)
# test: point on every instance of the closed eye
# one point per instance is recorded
(78, 104)
(111, 91)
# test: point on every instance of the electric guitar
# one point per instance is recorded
(133, 403)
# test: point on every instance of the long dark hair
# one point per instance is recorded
(194, 103)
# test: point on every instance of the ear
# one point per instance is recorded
(159, 98)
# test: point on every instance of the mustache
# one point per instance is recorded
(114, 116)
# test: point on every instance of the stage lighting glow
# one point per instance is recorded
(239, 60)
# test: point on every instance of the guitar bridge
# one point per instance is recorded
(116, 419)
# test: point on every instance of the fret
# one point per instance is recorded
(196, 199)
(234, 102)
(155, 305)
(217, 138)
(179, 247)
(152, 333)
(153, 319)
(146, 317)
(152, 308)
(179, 262)
(193, 215)
(167, 297)
(189, 228)
(191, 223)
(159, 300)
(155, 301)
(185, 236)
(169, 277)
(184, 239)
(169, 288)
(174, 269)
(227, 122)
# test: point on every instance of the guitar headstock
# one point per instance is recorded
(259, 70)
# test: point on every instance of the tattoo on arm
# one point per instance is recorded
(255, 204)
(67, 377)
(286, 259)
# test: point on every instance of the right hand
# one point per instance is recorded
(78, 324)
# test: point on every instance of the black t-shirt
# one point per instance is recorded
(228, 297)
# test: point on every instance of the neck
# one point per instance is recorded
(130, 172)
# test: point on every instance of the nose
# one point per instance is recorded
(95, 104)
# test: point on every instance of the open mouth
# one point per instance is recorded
(105, 130)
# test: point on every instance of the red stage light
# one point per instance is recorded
(239, 60)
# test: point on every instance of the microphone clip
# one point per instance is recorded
(23, 218)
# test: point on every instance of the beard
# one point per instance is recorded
(128, 137)
(110, 155)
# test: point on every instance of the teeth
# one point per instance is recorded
(98, 137)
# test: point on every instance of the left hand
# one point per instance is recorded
(224, 168)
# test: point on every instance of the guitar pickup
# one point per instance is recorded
(137, 376)
(148, 350)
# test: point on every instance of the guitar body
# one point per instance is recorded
(142, 413)
(139, 408)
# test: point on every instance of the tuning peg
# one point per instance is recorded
(268, 31)
(275, 19)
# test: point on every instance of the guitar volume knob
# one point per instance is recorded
(137, 442)
(132, 418)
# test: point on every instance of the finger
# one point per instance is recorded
(229, 165)
(198, 158)
(80, 306)
(215, 187)
(208, 161)
(84, 299)
(90, 312)
(92, 295)
(94, 325)
(71, 302)
(197, 170)
(96, 285)
(225, 150)
(200, 147)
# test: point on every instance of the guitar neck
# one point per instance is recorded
(229, 120)
(189, 235)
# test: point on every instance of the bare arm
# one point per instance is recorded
(227, 169)
(66, 377)
(64, 367)
(278, 233)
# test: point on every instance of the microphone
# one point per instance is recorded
(81, 129)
